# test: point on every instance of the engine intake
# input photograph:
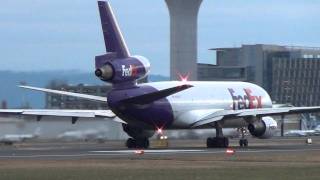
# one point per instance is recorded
(105, 73)
(122, 70)
(265, 128)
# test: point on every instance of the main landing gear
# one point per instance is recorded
(243, 142)
(138, 143)
(139, 137)
(219, 141)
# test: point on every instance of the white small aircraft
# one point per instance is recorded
(84, 135)
(9, 139)
(313, 132)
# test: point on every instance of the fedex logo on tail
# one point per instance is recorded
(128, 71)
(246, 101)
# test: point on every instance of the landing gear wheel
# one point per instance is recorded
(210, 142)
(243, 142)
(131, 143)
(218, 142)
(142, 143)
(138, 143)
(225, 142)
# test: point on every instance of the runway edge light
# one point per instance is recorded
(230, 151)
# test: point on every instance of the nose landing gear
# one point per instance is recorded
(243, 142)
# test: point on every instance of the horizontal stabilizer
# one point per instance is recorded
(154, 96)
(65, 93)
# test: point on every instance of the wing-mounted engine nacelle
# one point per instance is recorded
(114, 70)
(265, 128)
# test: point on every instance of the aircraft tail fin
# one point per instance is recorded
(113, 38)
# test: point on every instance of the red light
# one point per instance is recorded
(230, 151)
(183, 78)
(159, 131)
(139, 152)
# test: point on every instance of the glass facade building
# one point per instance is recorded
(290, 74)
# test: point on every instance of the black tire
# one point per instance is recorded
(142, 143)
(218, 142)
(210, 143)
(245, 143)
(146, 143)
(131, 143)
(241, 143)
(225, 142)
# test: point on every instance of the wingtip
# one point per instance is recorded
(24, 87)
(186, 86)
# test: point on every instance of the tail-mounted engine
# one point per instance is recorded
(265, 128)
(122, 70)
(117, 66)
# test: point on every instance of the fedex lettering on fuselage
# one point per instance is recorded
(246, 101)
(128, 71)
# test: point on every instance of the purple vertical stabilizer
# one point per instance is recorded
(103, 59)
(112, 35)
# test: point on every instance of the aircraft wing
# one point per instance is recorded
(78, 95)
(74, 114)
(225, 114)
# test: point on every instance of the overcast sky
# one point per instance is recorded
(37, 35)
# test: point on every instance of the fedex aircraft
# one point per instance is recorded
(145, 108)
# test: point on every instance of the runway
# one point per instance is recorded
(278, 158)
(176, 149)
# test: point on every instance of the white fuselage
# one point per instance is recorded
(207, 97)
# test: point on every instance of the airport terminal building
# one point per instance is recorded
(289, 74)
